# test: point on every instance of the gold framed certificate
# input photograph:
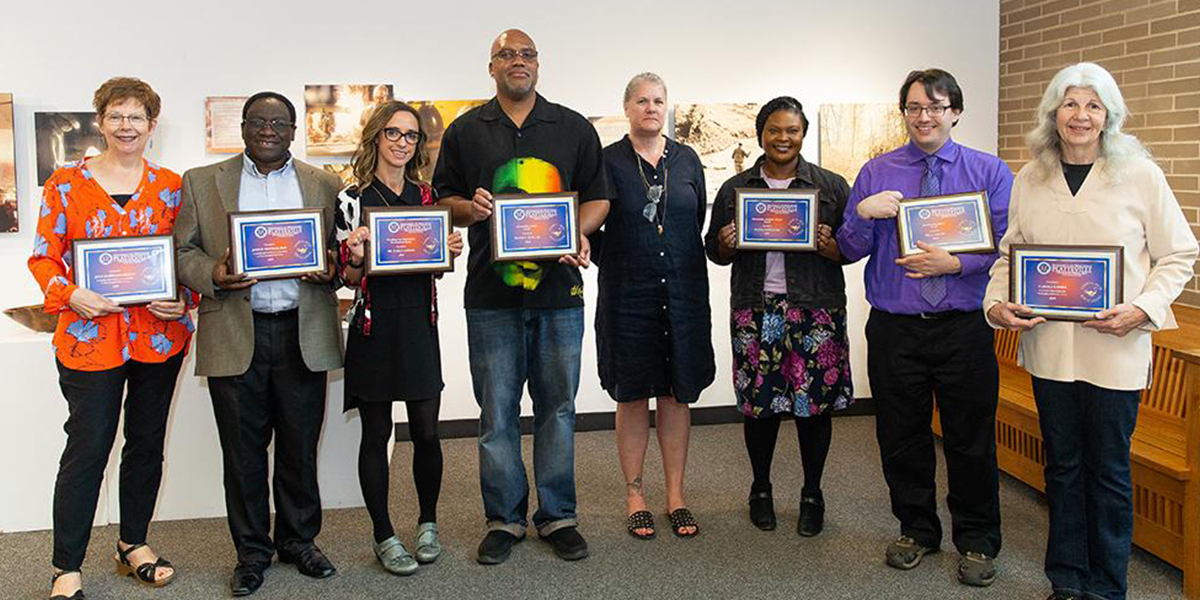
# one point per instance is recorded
(957, 223)
(127, 270)
(534, 226)
(1066, 283)
(408, 239)
(781, 220)
(277, 244)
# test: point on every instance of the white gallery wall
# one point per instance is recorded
(56, 54)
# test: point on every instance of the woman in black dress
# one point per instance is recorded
(653, 324)
(392, 352)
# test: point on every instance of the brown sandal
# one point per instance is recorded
(145, 572)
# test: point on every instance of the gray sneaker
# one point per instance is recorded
(906, 553)
(976, 569)
(394, 557)
(428, 546)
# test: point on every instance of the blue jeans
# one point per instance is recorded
(1086, 431)
(507, 348)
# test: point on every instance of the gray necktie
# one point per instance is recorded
(933, 289)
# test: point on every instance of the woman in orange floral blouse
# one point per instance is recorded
(100, 346)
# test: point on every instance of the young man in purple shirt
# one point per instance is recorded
(927, 336)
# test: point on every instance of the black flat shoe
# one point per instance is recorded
(311, 562)
(812, 516)
(568, 544)
(496, 547)
(762, 511)
(246, 580)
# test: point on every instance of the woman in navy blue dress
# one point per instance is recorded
(653, 323)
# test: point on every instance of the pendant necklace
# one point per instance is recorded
(655, 194)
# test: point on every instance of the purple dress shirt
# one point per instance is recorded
(960, 169)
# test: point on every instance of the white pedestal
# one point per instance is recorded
(32, 413)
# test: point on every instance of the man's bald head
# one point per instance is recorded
(514, 64)
(512, 36)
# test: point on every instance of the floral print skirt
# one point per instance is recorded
(789, 359)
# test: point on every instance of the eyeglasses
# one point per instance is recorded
(394, 134)
(507, 55)
(654, 194)
(116, 119)
(279, 125)
(935, 110)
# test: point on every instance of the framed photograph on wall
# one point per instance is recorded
(9, 214)
(436, 116)
(335, 115)
(64, 137)
(223, 124)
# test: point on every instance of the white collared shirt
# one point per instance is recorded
(277, 190)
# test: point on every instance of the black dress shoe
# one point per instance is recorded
(496, 546)
(568, 544)
(812, 515)
(1064, 596)
(311, 562)
(246, 580)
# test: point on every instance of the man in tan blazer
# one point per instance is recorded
(264, 346)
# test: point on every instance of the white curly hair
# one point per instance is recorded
(1116, 147)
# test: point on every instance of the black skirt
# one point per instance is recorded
(400, 360)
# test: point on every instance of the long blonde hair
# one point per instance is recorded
(1116, 147)
(366, 156)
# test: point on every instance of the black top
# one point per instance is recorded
(396, 291)
(813, 281)
(554, 150)
(653, 321)
(1075, 175)
(121, 199)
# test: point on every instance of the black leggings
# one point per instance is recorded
(814, 434)
(377, 428)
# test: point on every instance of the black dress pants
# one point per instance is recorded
(911, 360)
(277, 396)
(94, 405)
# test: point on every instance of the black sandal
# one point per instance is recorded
(680, 518)
(78, 595)
(145, 572)
(642, 519)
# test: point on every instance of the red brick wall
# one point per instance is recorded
(1152, 48)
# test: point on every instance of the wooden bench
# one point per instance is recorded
(1165, 451)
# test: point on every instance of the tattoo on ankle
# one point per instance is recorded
(636, 484)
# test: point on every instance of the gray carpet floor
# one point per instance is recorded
(730, 558)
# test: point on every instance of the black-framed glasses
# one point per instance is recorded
(654, 195)
(393, 134)
(279, 125)
(933, 110)
(507, 55)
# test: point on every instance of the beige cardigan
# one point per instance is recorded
(1135, 209)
